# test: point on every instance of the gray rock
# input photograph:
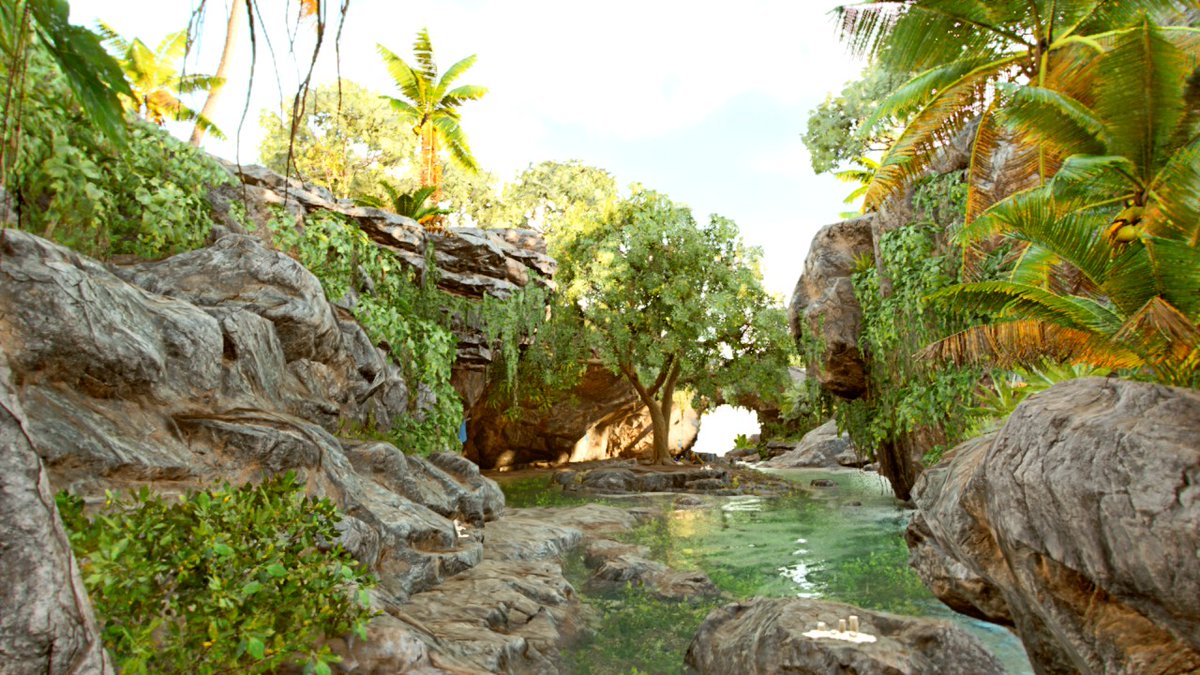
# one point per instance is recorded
(616, 566)
(823, 304)
(47, 624)
(822, 447)
(501, 616)
(1079, 522)
(764, 636)
(238, 272)
(529, 538)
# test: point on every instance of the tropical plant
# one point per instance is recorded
(411, 204)
(432, 107)
(862, 174)
(1122, 215)
(226, 579)
(960, 49)
(155, 80)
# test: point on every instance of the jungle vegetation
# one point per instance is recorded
(1071, 246)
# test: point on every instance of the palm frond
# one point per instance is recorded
(423, 53)
(1028, 344)
(1176, 195)
(1022, 301)
(456, 142)
(405, 77)
(1053, 119)
(1140, 97)
(454, 71)
(932, 127)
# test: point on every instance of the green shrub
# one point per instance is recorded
(74, 185)
(228, 579)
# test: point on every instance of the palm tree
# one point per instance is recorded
(1123, 212)
(155, 80)
(232, 28)
(959, 50)
(432, 107)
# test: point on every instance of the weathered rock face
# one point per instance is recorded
(1079, 524)
(823, 305)
(47, 625)
(764, 636)
(470, 262)
(821, 447)
(600, 418)
(200, 383)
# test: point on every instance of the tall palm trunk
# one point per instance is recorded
(231, 39)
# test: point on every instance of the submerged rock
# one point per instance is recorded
(764, 636)
(1079, 524)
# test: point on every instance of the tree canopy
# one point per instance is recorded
(667, 302)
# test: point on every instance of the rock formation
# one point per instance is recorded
(1078, 523)
(823, 305)
(764, 636)
(821, 447)
(47, 625)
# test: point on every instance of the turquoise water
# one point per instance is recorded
(842, 543)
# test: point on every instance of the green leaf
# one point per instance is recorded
(256, 648)
(276, 570)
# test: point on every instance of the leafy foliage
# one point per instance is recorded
(431, 106)
(225, 579)
(843, 128)
(414, 204)
(347, 140)
(960, 51)
(145, 197)
(1121, 217)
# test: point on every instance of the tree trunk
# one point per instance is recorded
(660, 413)
(231, 39)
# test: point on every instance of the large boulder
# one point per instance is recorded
(47, 625)
(764, 636)
(822, 447)
(1079, 524)
(823, 305)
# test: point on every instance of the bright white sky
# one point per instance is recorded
(704, 101)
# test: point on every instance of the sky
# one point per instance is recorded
(701, 100)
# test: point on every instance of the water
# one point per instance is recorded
(843, 543)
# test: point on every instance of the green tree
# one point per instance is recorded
(960, 50)
(552, 197)
(431, 106)
(347, 140)
(838, 131)
(1123, 213)
(415, 205)
(665, 302)
(155, 80)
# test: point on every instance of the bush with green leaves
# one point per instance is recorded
(145, 195)
(227, 579)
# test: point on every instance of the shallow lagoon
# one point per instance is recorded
(842, 543)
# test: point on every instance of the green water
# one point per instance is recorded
(843, 543)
